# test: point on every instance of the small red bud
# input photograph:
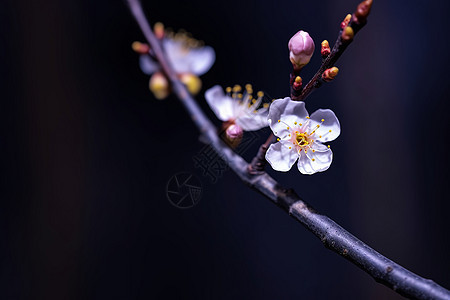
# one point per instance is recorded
(346, 20)
(158, 28)
(297, 85)
(232, 134)
(325, 51)
(363, 10)
(348, 34)
(140, 48)
(330, 74)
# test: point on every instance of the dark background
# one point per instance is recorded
(86, 153)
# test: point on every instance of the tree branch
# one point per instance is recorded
(331, 234)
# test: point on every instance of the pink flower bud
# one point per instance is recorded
(234, 132)
(301, 48)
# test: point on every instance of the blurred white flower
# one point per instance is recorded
(185, 55)
(237, 108)
(301, 136)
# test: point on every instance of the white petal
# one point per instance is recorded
(148, 66)
(317, 146)
(251, 121)
(288, 112)
(312, 162)
(200, 60)
(222, 105)
(330, 122)
(189, 60)
(280, 157)
(176, 54)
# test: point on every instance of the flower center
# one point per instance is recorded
(302, 139)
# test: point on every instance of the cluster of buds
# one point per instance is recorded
(358, 20)
(347, 31)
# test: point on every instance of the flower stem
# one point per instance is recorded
(259, 161)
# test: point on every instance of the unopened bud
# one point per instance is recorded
(159, 85)
(346, 20)
(234, 132)
(158, 28)
(297, 85)
(363, 10)
(140, 48)
(348, 34)
(325, 51)
(192, 82)
(330, 74)
(301, 48)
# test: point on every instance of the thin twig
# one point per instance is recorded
(259, 162)
(331, 234)
(357, 21)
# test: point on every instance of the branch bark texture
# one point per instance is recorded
(333, 236)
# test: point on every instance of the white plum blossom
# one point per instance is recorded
(300, 136)
(185, 55)
(239, 109)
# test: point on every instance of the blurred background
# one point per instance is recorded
(87, 153)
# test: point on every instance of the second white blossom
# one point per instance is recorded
(237, 108)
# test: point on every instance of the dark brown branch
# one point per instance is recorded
(259, 162)
(331, 234)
